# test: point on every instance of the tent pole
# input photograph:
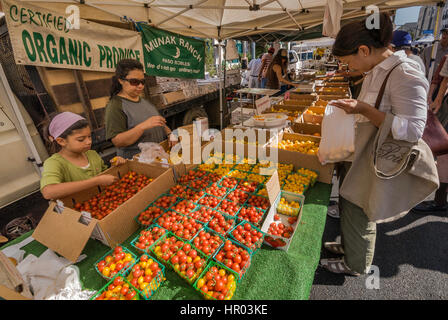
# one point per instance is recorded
(220, 83)
(435, 47)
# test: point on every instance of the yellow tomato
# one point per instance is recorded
(201, 282)
(143, 285)
(112, 266)
(127, 257)
(106, 271)
(143, 264)
(140, 280)
(189, 259)
(148, 272)
(222, 272)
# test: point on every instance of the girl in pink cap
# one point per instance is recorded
(73, 167)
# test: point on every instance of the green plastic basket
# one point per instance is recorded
(152, 249)
(202, 256)
(266, 199)
(110, 252)
(257, 223)
(232, 288)
(257, 245)
(227, 218)
(212, 233)
(206, 196)
(244, 269)
(154, 285)
(135, 240)
(141, 225)
(103, 289)
(225, 201)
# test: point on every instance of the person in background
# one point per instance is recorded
(366, 50)
(440, 109)
(265, 62)
(442, 50)
(402, 40)
(277, 72)
(131, 119)
(254, 70)
(72, 167)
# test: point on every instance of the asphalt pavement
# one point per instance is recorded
(411, 256)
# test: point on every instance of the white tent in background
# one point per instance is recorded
(321, 42)
(429, 38)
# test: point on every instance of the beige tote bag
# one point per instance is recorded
(388, 177)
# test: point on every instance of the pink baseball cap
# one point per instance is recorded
(62, 122)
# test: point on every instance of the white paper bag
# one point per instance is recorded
(338, 136)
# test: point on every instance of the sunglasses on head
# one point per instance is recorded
(135, 82)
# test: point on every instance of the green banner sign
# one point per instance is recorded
(169, 54)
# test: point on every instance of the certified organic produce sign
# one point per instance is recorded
(169, 54)
(45, 38)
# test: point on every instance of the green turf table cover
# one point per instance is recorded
(273, 274)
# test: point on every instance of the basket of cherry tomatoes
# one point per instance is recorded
(248, 235)
(188, 262)
(147, 238)
(115, 261)
(235, 257)
(146, 275)
(217, 282)
(117, 288)
(208, 242)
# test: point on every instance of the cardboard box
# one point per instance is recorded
(175, 96)
(311, 118)
(275, 194)
(306, 129)
(242, 147)
(66, 231)
(300, 160)
(12, 285)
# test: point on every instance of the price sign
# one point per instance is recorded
(262, 104)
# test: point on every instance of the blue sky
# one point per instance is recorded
(407, 15)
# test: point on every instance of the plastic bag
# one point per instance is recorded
(152, 152)
(338, 136)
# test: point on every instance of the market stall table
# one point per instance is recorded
(273, 274)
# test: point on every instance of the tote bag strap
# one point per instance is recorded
(383, 87)
(383, 133)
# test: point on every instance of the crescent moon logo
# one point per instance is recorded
(177, 53)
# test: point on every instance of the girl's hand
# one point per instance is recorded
(118, 161)
(350, 106)
(435, 106)
(105, 179)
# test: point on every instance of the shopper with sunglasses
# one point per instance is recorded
(131, 119)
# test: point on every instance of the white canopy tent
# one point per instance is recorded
(221, 19)
(321, 42)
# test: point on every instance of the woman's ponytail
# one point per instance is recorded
(358, 33)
